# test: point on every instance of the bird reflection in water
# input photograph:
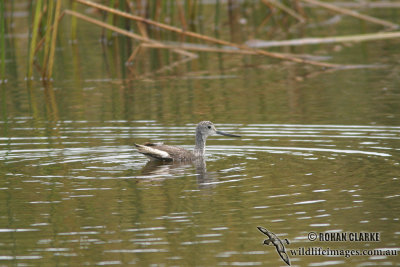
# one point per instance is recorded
(175, 169)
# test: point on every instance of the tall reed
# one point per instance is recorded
(217, 18)
(2, 42)
(53, 39)
(47, 42)
(152, 23)
(74, 23)
(46, 18)
(33, 41)
(110, 20)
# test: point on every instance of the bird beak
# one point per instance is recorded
(226, 134)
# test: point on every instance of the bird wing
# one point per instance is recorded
(164, 152)
(266, 232)
(280, 248)
(153, 152)
(284, 256)
(276, 240)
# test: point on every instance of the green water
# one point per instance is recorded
(319, 152)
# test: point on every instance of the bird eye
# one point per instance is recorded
(209, 127)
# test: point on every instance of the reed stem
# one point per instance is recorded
(352, 13)
(331, 39)
(2, 42)
(35, 31)
(74, 23)
(50, 12)
(200, 36)
(124, 32)
(53, 39)
(286, 9)
(110, 19)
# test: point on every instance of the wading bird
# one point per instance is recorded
(156, 151)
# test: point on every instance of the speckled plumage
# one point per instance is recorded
(175, 153)
(152, 151)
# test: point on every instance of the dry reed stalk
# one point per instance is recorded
(352, 13)
(264, 22)
(333, 39)
(140, 25)
(124, 32)
(134, 53)
(157, 10)
(157, 24)
(142, 29)
(201, 49)
(203, 37)
(369, 4)
(181, 14)
(284, 8)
